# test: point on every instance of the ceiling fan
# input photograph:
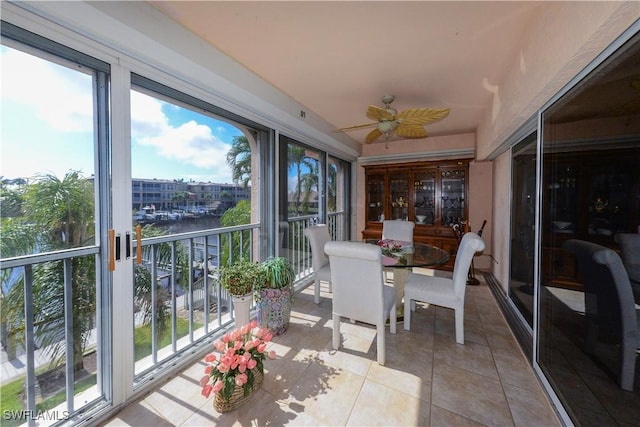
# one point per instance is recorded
(407, 124)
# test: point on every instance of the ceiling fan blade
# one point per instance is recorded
(411, 130)
(355, 127)
(379, 114)
(423, 115)
(372, 136)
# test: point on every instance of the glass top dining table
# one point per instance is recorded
(399, 254)
(401, 257)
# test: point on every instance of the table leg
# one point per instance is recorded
(399, 279)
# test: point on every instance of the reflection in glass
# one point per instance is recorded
(523, 184)
(590, 191)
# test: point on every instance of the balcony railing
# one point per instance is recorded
(178, 309)
(296, 246)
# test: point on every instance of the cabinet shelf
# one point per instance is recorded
(431, 194)
(588, 195)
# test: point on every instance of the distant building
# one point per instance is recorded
(167, 195)
(307, 203)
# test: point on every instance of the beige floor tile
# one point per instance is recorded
(516, 371)
(473, 396)
(413, 379)
(440, 417)
(327, 398)
(428, 379)
(476, 358)
(527, 405)
(379, 405)
(177, 400)
(283, 374)
(345, 359)
(138, 414)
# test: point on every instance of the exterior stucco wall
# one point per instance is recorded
(501, 217)
(561, 42)
(480, 209)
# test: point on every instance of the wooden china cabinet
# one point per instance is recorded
(431, 194)
(587, 195)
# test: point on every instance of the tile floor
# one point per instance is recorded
(428, 379)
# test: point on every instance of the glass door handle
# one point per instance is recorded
(127, 245)
(112, 249)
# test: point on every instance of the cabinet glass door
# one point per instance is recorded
(375, 198)
(562, 193)
(424, 196)
(609, 200)
(452, 192)
(399, 187)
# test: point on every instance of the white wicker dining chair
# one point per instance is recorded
(359, 290)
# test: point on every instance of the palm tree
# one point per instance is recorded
(11, 197)
(297, 156)
(239, 158)
(238, 215)
(180, 197)
(332, 183)
(144, 282)
(309, 183)
(59, 213)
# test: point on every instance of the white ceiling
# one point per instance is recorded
(337, 58)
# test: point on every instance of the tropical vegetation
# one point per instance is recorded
(49, 214)
(277, 273)
(241, 277)
(239, 158)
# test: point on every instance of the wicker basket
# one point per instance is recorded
(237, 397)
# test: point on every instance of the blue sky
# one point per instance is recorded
(46, 127)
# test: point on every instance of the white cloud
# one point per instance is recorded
(190, 143)
(60, 96)
(61, 99)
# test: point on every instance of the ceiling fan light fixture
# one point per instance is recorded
(387, 127)
(408, 124)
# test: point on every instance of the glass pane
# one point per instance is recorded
(47, 153)
(303, 173)
(191, 173)
(337, 197)
(424, 197)
(375, 197)
(48, 204)
(399, 196)
(523, 185)
(591, 189)
(453, 197)
(610, 198)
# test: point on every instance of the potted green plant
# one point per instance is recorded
(274, 294)
(239, 279)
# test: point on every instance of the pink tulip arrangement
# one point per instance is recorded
(238, 353)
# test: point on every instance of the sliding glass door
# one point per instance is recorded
(523, 203)
(590, 192)
(55, 215)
